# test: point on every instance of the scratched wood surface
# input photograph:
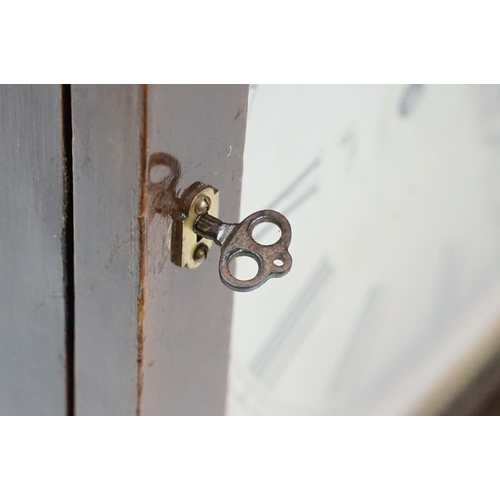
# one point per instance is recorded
(187, 316)
(150, 338)
(107, 178)
(32, 331)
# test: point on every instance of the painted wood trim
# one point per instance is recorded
(195, 133)
(151, 338)
(32, 306)
(107, 189)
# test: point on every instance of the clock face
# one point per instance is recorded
(393, 194)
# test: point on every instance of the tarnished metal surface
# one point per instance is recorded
(200, 209)
(273, 260)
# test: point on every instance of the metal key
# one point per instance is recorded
(236, 240)
(199, 215)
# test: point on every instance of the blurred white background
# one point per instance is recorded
(393, 194)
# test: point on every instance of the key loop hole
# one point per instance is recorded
(265, 218)
(260, 219)
(240, 252)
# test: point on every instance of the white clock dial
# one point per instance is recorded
(393, 194)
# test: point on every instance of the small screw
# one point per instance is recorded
(200, 253)
(202, 206)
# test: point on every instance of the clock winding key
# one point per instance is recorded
(197, 226)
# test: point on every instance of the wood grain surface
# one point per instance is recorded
(107, 179)
(151, 338)
(32, 321)
(187, 316)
